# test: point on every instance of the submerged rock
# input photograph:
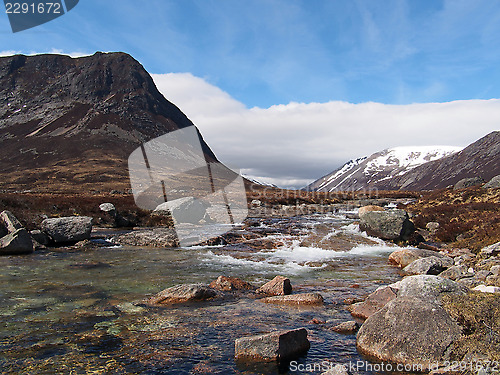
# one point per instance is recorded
(388, 225)
(409, 330)
(280, 285)
(183, 293)
(69, 229)
(428, 266)
(346, 328)
(373, 303)
(228, 284)
(278, 345)
(296, 299)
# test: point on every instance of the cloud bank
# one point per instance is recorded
(293, 144)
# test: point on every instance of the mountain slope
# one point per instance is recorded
(71, 123)
(379, 169)
(479, 159)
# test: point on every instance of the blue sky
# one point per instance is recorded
(277, 64)
(266, 52)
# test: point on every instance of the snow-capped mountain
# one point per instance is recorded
(377, 170)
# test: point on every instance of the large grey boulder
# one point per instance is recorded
(494, 183)
(428, 287)
(17, 242)
(432, 265)
(388, 225)
(184, 210)
(468, 182)
(157, 237)
(183, 293)
(408, 330)
(272, 346)
(69, 229)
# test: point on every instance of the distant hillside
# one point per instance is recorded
(71, 123)
(379, 169)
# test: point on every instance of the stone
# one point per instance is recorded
(184, 210)
(40, 237)
(346, 328)
(403, 257)
(468, 182)
(157, 237)
(69, 229)
(107, 207)
(255, 203)
(495, 270)
(428, 266)
(490, 251)
(183, 293)
(391, 224)
(338, 369)
(17, 242)
(373, 303)
(408, 330)
(9, 222)
(228, 284)
(487, 289)
(280, 285)
(279, 345)
(432, 226)
(455, 273)
(494, 183)
(296, 299)
(428, 287)
(363, 210)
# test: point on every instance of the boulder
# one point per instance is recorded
(280, 285)
(183, 293)
(108, 207)
(428, 287)
(67, 229)
(184, 210)
(363, 210)
(373, 303)
(227, 284)
(16, 242)
(490, 251)
(346, 328)
(432, 265)
(392, 224)
(455, 273)
(157, 237)
(9, 222)
(278, 345)
(468, 182)
(405, 256)
(408, 330)
(296, 299)
(494, 183)
(40, 237)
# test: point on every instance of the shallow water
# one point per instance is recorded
(71, 311)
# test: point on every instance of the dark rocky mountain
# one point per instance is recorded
(421, 168)
(71, 123)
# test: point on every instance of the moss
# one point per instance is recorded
(479, 315)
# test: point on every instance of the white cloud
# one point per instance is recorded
(293, 144)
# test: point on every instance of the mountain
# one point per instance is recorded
(479, 159)
(379, 169)
(71, 123)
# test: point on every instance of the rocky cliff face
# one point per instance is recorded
(71, 123)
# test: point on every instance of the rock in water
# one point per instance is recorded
(157, 237)
(228, 284)
(280, 285)
(17, 242)
(184, 210)
(403, 257)
(346, 328)
(273, 346)
(428, 266)
(183, 293)
(409, 331)
(69, 229)
(388, 225)
(296, 299)
(373, 303)
(365, 209)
